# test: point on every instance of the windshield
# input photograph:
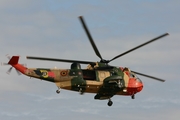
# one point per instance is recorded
(139, 80)
(133, 75)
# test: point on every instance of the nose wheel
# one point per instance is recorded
(109, 102)
(133, 96)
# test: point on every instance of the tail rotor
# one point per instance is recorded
(10, 69)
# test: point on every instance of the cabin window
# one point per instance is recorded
(89, 75)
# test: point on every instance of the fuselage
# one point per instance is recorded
(91, 80)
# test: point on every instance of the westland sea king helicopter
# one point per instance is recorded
(99, 77)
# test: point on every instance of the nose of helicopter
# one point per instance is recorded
(139, 85)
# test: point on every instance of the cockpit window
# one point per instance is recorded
(139, 80)
(132, 75)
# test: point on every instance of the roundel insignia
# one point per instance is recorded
(63, 73)
(44, 73)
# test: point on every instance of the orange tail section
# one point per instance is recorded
(14, 63)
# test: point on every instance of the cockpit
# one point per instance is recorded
(131, 74)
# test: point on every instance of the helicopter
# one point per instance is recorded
(100, 78)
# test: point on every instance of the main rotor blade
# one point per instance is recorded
(139, 46)
(90, 38)
(58, 60)
(155, 78)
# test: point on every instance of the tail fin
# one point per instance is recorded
(14, 63)
(14, 60)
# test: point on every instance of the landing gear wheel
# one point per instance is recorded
(57, 91)
(81, 91)
(133, 96)
(109, 103)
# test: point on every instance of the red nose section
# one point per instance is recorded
(139, 86)
(134, 86)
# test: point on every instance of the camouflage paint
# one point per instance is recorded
(77, 81)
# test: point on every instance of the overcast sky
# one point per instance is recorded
(51, 28)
